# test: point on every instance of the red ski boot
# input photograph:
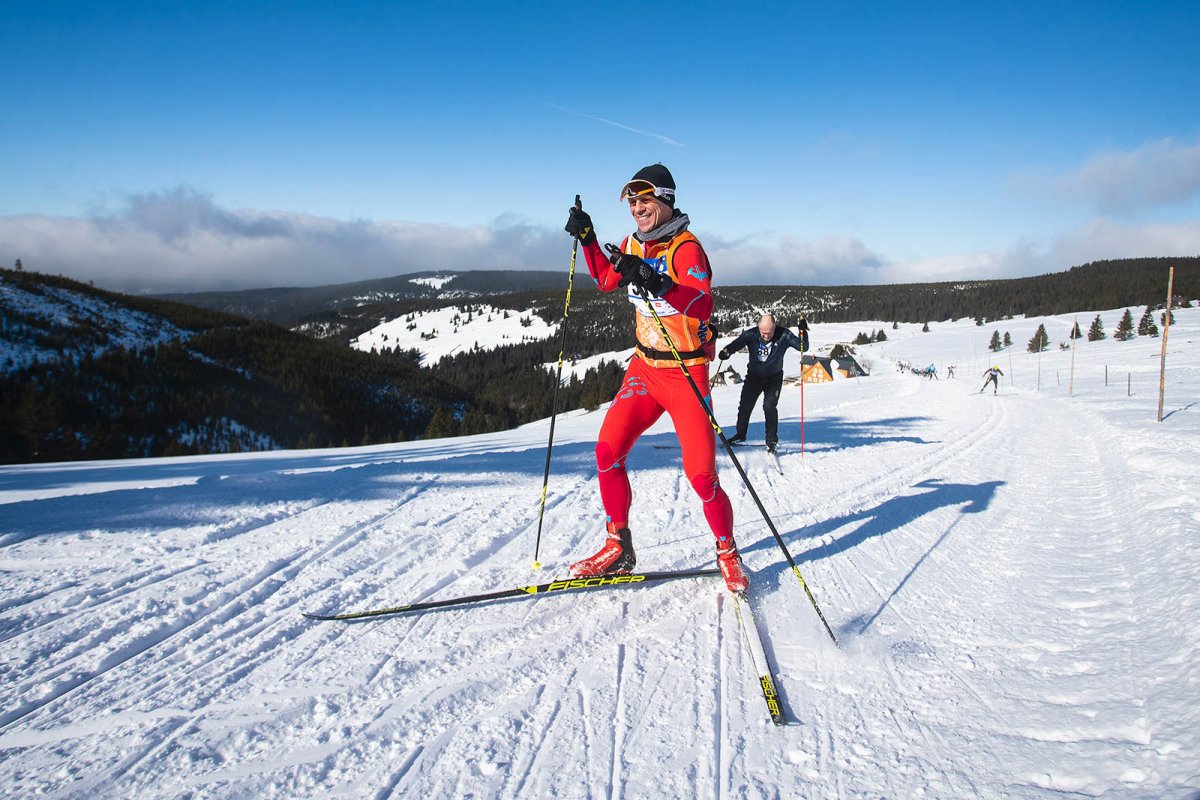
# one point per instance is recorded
(616, 557)
(730, 563)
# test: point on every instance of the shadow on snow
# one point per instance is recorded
(890, 515)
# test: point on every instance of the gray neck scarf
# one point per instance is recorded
(668, 230)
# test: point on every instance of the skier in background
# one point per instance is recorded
(950, 371)
(991, 376)
(764, 372)
(666, 261)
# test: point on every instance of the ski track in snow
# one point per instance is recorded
(1011, 580)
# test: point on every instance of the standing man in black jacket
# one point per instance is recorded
(764, 372)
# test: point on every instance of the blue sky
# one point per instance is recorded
(204, 145)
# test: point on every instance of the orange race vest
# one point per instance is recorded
(690, 336)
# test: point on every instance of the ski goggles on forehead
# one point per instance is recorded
(641, 188)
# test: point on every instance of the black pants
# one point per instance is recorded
(769, 386)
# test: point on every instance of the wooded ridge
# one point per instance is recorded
(86, 373)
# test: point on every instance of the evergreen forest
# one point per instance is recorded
(118, 376)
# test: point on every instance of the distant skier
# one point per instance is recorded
(764, 372)
(666, 261)
(991, 376)
(950, 371)
(931, 372)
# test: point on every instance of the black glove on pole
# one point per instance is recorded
(636, 271)
(579, 223)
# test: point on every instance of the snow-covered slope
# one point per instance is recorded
(86, 324)
(1012, 580)
(449, 330)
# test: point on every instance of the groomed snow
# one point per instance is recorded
(1012, 579)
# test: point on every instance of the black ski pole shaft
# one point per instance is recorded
(662, 329)
(562, 346)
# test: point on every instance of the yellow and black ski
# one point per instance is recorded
(552, 587)
(758, 658)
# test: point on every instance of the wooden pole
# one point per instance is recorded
(1162, 367)
(1071, 384)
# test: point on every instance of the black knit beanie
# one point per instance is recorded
(659, 176)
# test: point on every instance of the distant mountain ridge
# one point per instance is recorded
(291, 306)
(342, 311)
(86, 373)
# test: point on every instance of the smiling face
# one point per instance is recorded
(649, 212)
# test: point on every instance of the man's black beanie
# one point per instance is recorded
(660, 176)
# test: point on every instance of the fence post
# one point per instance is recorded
(1162, 369)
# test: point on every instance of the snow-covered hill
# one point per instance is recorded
(445, 331)
(1012, 580)
(84, 325)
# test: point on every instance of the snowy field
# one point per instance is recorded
(450, 330)
(1012, 580)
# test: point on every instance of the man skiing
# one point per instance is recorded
(666, 262)
(991, 376)
(764, 371)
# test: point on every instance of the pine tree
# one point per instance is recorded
(925, 328)
(1146, 326)
(1075, 333)
(1124, 328)
(441, 425)
(994, 344)
(1096, 332)
(1163, 317)
(1007, 340)
(881, 336)
(1040, 340)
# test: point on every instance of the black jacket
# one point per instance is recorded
(766, 358)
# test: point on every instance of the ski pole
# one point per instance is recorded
(711, 382)
(562, 340)
(712, 420)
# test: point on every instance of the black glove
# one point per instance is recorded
(724, 354)
(579, 225)
(646, 277)
(626, 266)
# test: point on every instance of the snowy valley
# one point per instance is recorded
(1011, 578)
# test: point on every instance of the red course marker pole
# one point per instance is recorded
(801, 409)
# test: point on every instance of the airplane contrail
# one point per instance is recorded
(622, 126)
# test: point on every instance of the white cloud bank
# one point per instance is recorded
(181, 241)
(1098, 240)
(1158, 173)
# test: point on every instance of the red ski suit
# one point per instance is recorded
(654, 383)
